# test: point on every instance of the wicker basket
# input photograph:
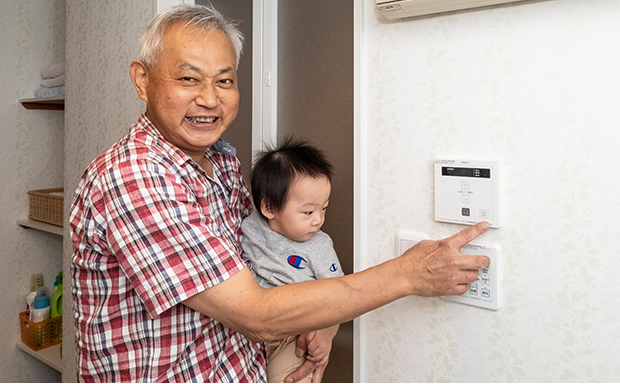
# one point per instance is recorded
(46, 207)
(42, 334)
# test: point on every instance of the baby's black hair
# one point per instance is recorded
(275, 171)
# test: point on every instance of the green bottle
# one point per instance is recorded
(56, 301)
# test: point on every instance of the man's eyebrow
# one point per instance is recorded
(185, 66)
(228, 69)
(188, 66)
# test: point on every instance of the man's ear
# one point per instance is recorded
(267, 212)
(139, 76)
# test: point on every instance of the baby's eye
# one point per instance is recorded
(308, 213)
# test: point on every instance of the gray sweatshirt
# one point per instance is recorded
(276, 260)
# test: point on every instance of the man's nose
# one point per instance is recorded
(208, 96)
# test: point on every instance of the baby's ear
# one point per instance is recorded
(266, 210)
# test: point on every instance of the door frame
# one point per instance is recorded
(358, 180)
(264, 74)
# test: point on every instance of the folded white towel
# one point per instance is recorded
(53, 70)
(50, 92)
(55, 82)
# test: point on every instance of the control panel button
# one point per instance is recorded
(473, 289)
(485, 291)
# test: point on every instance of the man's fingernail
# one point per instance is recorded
(299, 352)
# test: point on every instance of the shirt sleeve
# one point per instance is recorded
(171, 240)
(329, 263)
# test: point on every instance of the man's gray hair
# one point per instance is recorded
(200, 16)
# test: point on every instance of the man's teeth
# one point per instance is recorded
(199, 120)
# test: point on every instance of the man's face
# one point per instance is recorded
(191, 91)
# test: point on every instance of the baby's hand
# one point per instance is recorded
(318, 346)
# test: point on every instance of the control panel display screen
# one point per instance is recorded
(466, 172)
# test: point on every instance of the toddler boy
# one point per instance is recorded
(282, 239)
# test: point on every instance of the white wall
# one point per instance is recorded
(535, 86)
(31, 157)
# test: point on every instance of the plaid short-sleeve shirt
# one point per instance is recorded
(149, 230)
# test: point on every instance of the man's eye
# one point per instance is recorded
(187, 78)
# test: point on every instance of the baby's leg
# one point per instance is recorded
(281, 360)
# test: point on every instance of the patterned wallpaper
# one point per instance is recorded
(536, 87)
(102, 39)
(31, 37)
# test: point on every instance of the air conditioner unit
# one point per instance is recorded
(397, 9)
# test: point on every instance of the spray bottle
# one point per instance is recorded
(41, 308)
(36, 281)
(56, 302)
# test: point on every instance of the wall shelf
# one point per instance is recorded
(45, 103)
(50, 355)
(27, 223)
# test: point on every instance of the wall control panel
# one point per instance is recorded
(484, 292)
(467, 192)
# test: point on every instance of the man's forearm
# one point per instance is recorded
(431, 268)
(323, 303)
(270, 314)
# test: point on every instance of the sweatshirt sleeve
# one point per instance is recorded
(327, 264)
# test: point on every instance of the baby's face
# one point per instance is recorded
(304, 212)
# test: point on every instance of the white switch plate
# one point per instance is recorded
(467, 192)
(484, 292)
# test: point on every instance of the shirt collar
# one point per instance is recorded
(177, 155)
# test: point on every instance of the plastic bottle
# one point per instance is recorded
(36, 281)
(41, 308)
(56, 302)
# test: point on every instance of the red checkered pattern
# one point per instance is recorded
(150, 230)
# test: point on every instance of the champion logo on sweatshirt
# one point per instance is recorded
(333, 268)
(296, 261)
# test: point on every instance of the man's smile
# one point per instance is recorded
(201, 119)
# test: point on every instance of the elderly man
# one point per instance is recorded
(161, 292)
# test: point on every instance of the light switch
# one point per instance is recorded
(467, 192)
(484, 292)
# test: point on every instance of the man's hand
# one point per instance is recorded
(318, 345)
(440, 268)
